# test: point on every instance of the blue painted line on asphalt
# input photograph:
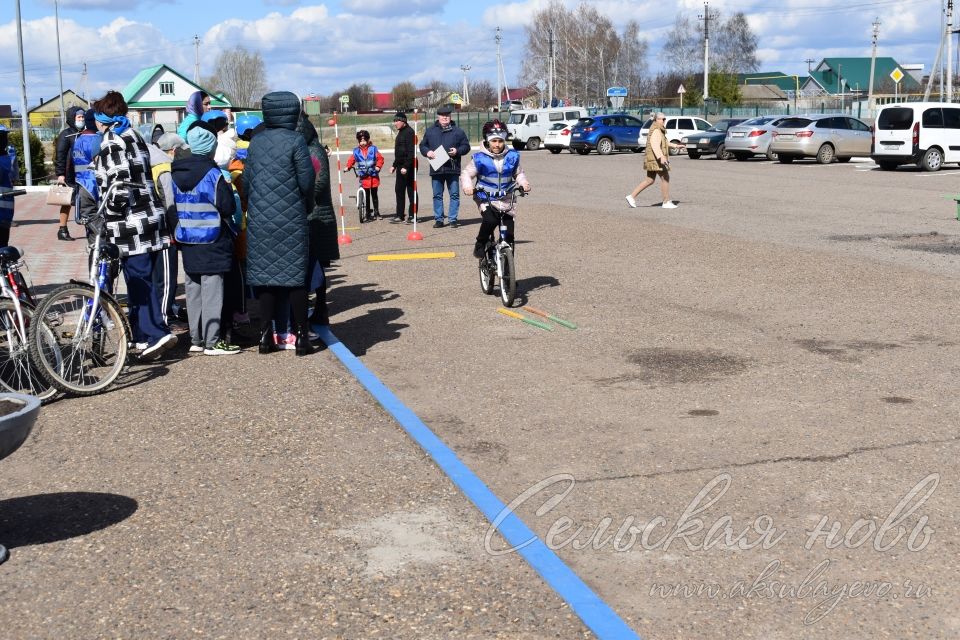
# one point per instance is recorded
(595, 613)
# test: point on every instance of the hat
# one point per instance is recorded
(169, 141)
(213, 115)
(445, 110)
(201, 141)
(400, 117)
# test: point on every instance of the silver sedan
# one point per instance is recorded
(826, 137)
(752, 138)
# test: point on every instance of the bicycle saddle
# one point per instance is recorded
(9, 254)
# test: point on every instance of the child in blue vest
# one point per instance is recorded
(368, 161)
(489, 176)
(9, 176)
(86, 197)
(205, 207)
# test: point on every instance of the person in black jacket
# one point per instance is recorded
(62, 165)
(454, 141)
(403, 155)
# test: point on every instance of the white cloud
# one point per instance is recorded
(381, 8)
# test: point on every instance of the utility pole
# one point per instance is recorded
(706, 17)
(83, 82)
(24, 117)
(840, 84)
(873, 63)
(196, 64)
(56, 14)
(499, 88)
(933, 69)
(466, 95)
(550, 73)
(949, 36)
(809, 62)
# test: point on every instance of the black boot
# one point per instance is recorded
(319, 315)
(303, 346)
(267, 343)
(63, 234)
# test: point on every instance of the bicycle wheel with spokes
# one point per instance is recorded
(508, 277)
(488, 272)
(90, 344)
(17, 372)
(362, 205)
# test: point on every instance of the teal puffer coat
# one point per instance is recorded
(279, 179)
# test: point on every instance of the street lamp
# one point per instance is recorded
(56, 13)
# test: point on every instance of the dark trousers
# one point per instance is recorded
(404, 186)
(144, 303)
(165, 281)
(271, 297)
(372, 193)
(491, 219)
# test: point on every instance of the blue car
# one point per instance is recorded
(606, 134)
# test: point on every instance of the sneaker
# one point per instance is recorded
(140, 346)
(411, 219)
(396, 218)
(221, 349)
(454, 223)
(438, 224)
(196, 348)
(478, 250)
(669, 204)
(631, 202)
(155, 350)
(286, 341)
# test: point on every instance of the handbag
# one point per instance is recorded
(61, 195)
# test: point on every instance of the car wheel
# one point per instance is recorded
(785, 159)
(888, 166)
(555, 150)
(722, 153)
(605, 146)
(694, 155)
(825, 154)
(533, 144)
(674, 151)
(637, 149)
(844, 159)
(771, 155)
(741, 156)
(932, 159)
(583, 152)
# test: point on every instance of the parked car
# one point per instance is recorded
(677, 128)
(606, 134)
(558, 138)
(752, 138)
(528, 127)
(923, 133)
(826, 137)
(711, 140)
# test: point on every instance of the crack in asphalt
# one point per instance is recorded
(739, 465)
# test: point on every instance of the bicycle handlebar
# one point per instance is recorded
(17, 192)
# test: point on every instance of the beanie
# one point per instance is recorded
(201, 141)
(400, 116)
(169, 141)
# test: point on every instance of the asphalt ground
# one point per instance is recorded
(783, 343)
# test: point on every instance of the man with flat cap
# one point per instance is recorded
(403, 155)
(454, 141)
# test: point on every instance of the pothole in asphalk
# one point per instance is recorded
(703, 412)
(665, 365)
(897, 400)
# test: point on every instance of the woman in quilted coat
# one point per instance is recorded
(279, 181)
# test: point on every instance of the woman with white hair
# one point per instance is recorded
(656, 162)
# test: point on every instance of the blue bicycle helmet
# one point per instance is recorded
(247, 122)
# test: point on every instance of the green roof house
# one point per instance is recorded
(782, 81)
(158, 94)
(852, 75)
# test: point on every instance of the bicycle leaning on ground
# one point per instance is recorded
(17, 316)
(90, 329)
(498, 262)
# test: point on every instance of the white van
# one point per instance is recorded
(923, 133)
(528, 127)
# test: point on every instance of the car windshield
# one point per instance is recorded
(558, 126)
(646, 125)
(756, 122)
(794, 123)
(895, 119)
(584, 122)
(723, 125)
(515, 118)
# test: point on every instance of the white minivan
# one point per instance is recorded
(926, 134)
(528, 127)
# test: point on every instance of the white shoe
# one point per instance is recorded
(196, 348)
(631, 202)
(168, 341)
(669, 204)
(286, 341)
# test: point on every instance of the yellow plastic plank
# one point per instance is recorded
(411, 256)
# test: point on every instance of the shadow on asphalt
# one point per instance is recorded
(343, 298)
(51, 517)
(362, 332)
(529, 285)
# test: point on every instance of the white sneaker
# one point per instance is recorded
(286, 341)
(669, 204)
(168, 341)
(631, 202)
(196, 348)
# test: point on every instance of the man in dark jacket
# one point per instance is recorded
(403, 156)
(278, 179)
(205, 239)
(61, 162)
(454, 141)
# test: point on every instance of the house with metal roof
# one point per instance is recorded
(158, 94)
(834, 76)
(784, 82)
(47, 113)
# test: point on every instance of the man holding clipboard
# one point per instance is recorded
(444, 144)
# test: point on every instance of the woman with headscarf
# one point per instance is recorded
(197, 104)
(279, 184)
(134, 220)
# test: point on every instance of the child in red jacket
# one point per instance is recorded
(367, 160)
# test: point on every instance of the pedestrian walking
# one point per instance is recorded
(656, 162)
(403, 157)
(62, 164)
(452, 139)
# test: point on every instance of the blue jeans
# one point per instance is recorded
(453, 186)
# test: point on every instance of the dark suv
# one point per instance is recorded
(606, 134)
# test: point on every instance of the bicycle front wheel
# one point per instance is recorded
(508, 277)
(362, 205)
(17, 372)
(90, 344)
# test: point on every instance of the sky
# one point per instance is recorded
(325, 46)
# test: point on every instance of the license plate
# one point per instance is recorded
(691, 146)
(891, 144)
(736, 135)
(785, 136)
(576, 135)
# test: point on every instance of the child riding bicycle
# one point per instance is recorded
(492, 173)
(367, 161)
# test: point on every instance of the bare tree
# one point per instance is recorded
(361, 96)
(682, 51)
(482, 93)
(241, 75)
(403, 94)
(736, 47)
(437, 92)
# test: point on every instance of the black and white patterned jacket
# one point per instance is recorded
(134, 216)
